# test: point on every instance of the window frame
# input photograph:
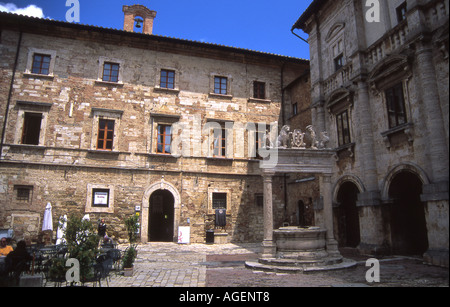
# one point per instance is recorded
(26, 138)
(32, 52)
(164, 80)
(344, 138)
(221, 81)
(401, 11)
(211, 191)
(396, 105)
(295, 109)
(41, 63)
(259, 90)
(106, 114)
(101, 67)
(338, 62)
(220, 143)
(105, 132)
(164, 135)
(36, 108)
(222, 202)
(115, 67)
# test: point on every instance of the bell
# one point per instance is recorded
(138, 22)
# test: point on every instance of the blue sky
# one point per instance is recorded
(262, 25)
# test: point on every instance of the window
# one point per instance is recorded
(396, 105)
(167, 79)
(343, 128)
(260, 140)
(220, 85)
(110, 72)
(105, 136)
(338, 54)
(23, 193)
(294, 109)
(220, 142)
(401, 12)
(339, 62)
(259, 90)
(219, 201)
(164, 139)
(41, 64)
(100, 198)
(31, 128)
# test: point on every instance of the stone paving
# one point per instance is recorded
(201, 265)
(176, 265)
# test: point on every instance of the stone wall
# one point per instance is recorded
(66, 166)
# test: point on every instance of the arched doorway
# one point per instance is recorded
(348, 232)
(162, 185)
(407, 215)
(161, 216)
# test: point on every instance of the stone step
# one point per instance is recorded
(300, 262)
(344, 264)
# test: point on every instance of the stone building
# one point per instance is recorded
(88, 116)
(379, 81)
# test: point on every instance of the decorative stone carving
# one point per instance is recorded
(283, 140)
(296, 139)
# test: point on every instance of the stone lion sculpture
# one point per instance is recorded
(324, 139)
(283, 138)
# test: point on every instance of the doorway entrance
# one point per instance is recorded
(161, 216)
(408, 223)
(347, 216)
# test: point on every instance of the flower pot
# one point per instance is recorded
(128, 272)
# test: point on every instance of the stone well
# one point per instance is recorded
(301, 250)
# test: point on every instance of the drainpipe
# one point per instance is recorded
(292, 31)
(8, 103)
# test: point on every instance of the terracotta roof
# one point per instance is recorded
(26, 20)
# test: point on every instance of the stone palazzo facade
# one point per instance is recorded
(88, 116)
(380, 87)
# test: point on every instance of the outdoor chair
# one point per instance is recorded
(116, 256)
(104, 268)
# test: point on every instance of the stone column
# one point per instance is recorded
(435, 194)
(437, 145)
(268, 246)
(325, 191)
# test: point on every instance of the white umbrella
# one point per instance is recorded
(47, 224)
(61, 230)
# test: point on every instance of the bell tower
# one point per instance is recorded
(139, 16)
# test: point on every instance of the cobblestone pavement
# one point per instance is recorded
(200, 265)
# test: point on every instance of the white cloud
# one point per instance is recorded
(31, 10)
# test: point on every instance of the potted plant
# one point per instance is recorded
(82, 244)
(128, 261)
(132, 224)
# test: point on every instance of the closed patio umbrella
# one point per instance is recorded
(47, 223)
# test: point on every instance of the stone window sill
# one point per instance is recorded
(39, 76)
(258, 100)
(220, 96)
(173, 91)
(101, 82)
(407, 128)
